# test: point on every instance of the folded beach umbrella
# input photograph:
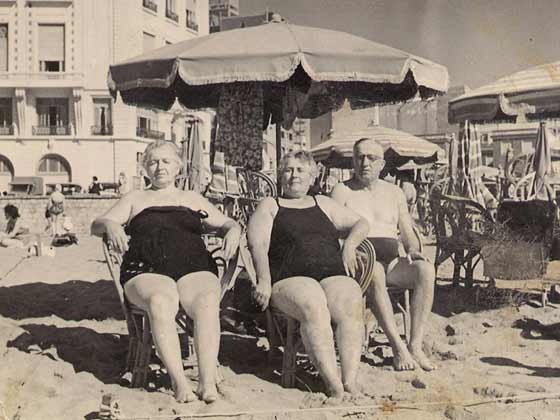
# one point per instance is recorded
(541, 162)
(469, 164)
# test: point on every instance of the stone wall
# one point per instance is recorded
(82, 210)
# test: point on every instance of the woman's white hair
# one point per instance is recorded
(158, 144)
(301, 155)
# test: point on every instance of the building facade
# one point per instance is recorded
(57, 119)
(220, 9)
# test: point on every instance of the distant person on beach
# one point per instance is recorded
(166, 264)
(15, 228)
(124, 187)
(303, 271)
(384, 205)
(55, 208)
(95, 187)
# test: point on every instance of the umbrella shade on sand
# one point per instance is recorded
(399, 146)
(542, 163)
(534, 92)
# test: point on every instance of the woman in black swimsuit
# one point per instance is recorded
(166, 263)
(304, 271)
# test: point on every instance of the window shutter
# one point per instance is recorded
(51, 42)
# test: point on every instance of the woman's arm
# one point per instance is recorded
(350, 223)
(258, 237)
(111, 223)
(228, 228)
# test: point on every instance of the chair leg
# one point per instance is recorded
(458, 262)
(288, 379)
(142, 357)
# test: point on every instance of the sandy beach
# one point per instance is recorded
(63, 343)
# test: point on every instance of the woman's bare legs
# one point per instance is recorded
(199, 294)
(157, 295)
(304, 299)
(344, 300)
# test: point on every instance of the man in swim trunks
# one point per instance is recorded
(384, 206)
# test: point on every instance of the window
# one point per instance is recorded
(146, 126)
(3, 47)
(5, 112)
(149, 42)
(51, 48)
(52, 116)
(170, 10)
(102, 117)
(150, 5)
(191, 20)
(54, 165)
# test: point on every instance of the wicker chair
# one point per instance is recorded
(140, 344)
(460, 226)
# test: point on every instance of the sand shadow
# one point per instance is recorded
(74, 300)
(532, 329)
(101, 354)
(243, 356)
(542, 371)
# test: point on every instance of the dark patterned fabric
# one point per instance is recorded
(240, 119)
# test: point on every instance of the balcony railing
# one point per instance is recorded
(171, 15)
(191, 24)
(7, 130)
(150, 5)
(149, 134)
(102, 130)
(41, 130)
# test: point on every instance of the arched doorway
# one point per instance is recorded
(6, 173)
(54, 169)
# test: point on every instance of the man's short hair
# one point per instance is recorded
(362, 140)
(158, 144)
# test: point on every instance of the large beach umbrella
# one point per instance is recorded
(298, 71)
(542, 162)
(534, 92)
(400, 147)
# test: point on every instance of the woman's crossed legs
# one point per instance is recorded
(199, 294)
(314, 305)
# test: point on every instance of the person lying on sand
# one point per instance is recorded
(384, 206)
(166, 264)
(302, 270)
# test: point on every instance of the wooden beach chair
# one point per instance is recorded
(140, 345)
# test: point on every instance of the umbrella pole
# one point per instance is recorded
(278, 156)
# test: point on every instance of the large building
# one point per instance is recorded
(220, 9)
(57, 119)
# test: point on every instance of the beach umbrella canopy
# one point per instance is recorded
(535, 92)
(399, 146)
(304, 71)
(542, 162)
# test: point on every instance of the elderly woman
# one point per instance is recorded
(15, 228)
(301, 268)
(165, 264)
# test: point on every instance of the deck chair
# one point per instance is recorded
(140, 344)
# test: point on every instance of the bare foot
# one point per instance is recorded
(422, 360)
(183, 391)
(335, 395)
(208, 393)
(403, 360)
(353, 388)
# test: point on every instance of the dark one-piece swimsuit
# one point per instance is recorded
(166, 240)
(304, 242)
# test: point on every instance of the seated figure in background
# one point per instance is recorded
(166, 264)
(384, 206)
(15, 228)
(302, 270)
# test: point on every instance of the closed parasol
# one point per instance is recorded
(542, 164)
